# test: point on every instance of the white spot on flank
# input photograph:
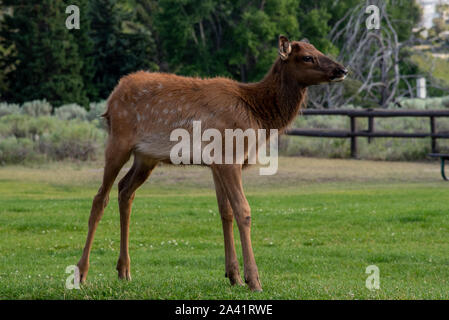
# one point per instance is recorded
(177, 124)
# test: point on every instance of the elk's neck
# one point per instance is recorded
(276, 100)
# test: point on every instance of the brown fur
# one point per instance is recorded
(145, 107)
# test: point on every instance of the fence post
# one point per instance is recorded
(353, 137)
(433, 131)
(370, 127)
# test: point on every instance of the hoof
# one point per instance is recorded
(234, 279)
(254, 285)
(124, 269)
(83, 269)
(124, 274)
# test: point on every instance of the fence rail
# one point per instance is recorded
(370, 133)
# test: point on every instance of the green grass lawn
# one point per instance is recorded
(317, 225)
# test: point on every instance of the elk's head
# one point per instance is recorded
(307, 65)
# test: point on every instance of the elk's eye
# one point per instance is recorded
(307, 59)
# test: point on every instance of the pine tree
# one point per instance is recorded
(116, 52)
(86, 50)
(45, 62)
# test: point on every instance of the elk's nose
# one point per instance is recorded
(342, 71)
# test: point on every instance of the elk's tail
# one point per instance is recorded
(107, 118)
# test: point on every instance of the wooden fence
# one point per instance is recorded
(370, 133)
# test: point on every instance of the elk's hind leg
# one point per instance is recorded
(231, 262)
(127, 187)
(115, 158)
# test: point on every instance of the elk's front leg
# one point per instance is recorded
(230, 177)
(231, 262)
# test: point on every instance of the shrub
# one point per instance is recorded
(29, 139)
(21, 126)
(7, 109)
(37, 108)
(17, 150)
(71, 111)
(423, 104)
(96, 109)
(446, 102)
(73, 140)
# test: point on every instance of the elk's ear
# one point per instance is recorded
(305, 40)
(285, 48)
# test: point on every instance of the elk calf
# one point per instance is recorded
(145, 107)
